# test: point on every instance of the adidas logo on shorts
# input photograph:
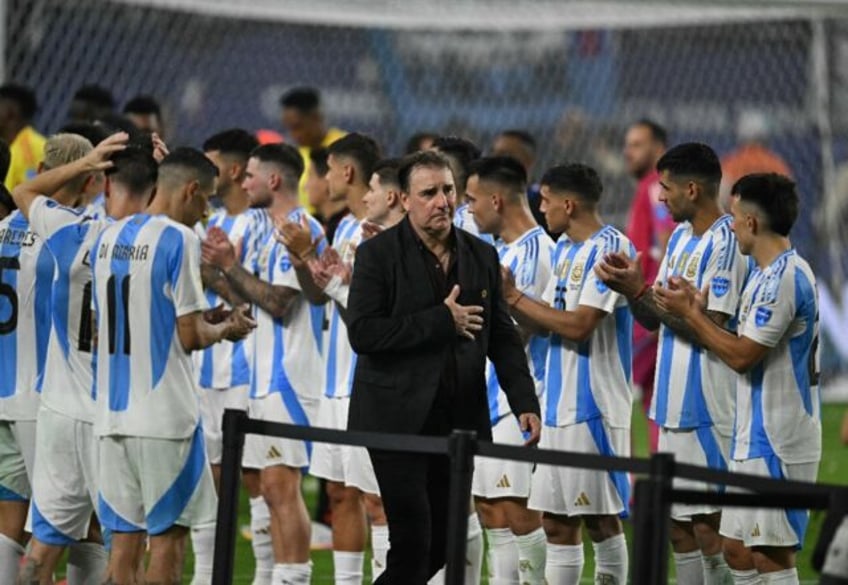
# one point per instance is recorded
(756, 531)
(273, 453)
(503, 482)
(582, 500)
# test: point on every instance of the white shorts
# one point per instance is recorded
(570, 491)
(704, 446)
(213, 402)
(261, 451)
(341, 463)
(769, 526)
(65, 478)
(17, 455)
(502, 478)
(153, 484)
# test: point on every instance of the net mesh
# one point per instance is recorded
(574, 74)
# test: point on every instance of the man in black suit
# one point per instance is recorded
(425, 310)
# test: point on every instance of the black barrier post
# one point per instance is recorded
(461, 448)
(651, 519)
(228, 497)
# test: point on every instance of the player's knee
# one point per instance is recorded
(681, 536)
(768, 559)
(562, 529)
(603, 527)
(374, 509)
(280, 485)
(738, 557)
(490, 515)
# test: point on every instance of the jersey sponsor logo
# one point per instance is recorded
(763, 316)
(582, 500)
(720, 286)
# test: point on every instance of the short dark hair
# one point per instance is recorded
(658, 133)
(302, 99)
(576, 178)
(23, 96)
(359, 147)
(96, 95)
(285, 156)
(6, 198)
(135, 168)
(422, 158)
(112, 122)
(774, 194)
(318, 156)
(503, 170)
(522, 136)
(463, 152)
(5, 160)
(93, 132)
(235, 141)
(192, 160)
(387, 170)
(414, 142)
(143, 104)
(693, 159)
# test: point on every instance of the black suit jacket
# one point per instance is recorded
(403, 335)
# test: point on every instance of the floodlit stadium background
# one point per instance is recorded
(573, 73)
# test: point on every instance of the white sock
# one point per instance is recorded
(203, 545)
(716, 571)
(438, 578)
(565, 564)
(690, 568)
(474, 552)
(532, 549)
(87, 563)
(749, 577)
(10, 559)
(379, 550)
(263, 553)
(292, 574)
(347, 567)
(787, 577)
(611, 560)
(502, 556)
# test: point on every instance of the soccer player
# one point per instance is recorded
(224, 368)
(350, 162)
(497, 199)
(520, 145)
(26, 279)
(153, 473)
(91, 103)
(145, 114)
(286, 373)
(17, 109)
(64, 479)
(649, 228)
(587, 380)
(693, 402)
(775, 351)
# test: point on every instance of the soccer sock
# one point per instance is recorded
(532, 549)
(379, 550)
(750, 577)
(611, 560)
(565, 564)
(787, 577)
(502, 556)
(203, 545)
(474, 552)
(347, 567)
(87, 563)
(10, 559)
(260, 528)
(690, 568)
(292, 574)
(716, 571)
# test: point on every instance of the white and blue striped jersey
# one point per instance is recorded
(693, 387)
(529, 258)
(97, 208)
(589, 379)
(146, 275)
(339, 358)
(69, 234)
(287, 356)
(778, 411)
(26, 278)
(463, 219)
(227, 364)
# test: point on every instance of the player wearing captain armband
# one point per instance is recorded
(775, 351)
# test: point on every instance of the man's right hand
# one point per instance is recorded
(238, 323)
(467, 320)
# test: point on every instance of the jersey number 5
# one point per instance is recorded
(112, 299)
(8, 291)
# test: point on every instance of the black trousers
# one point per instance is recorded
(414, 488)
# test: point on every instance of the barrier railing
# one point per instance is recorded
(653, 493)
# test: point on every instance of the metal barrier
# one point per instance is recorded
(653, 494)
